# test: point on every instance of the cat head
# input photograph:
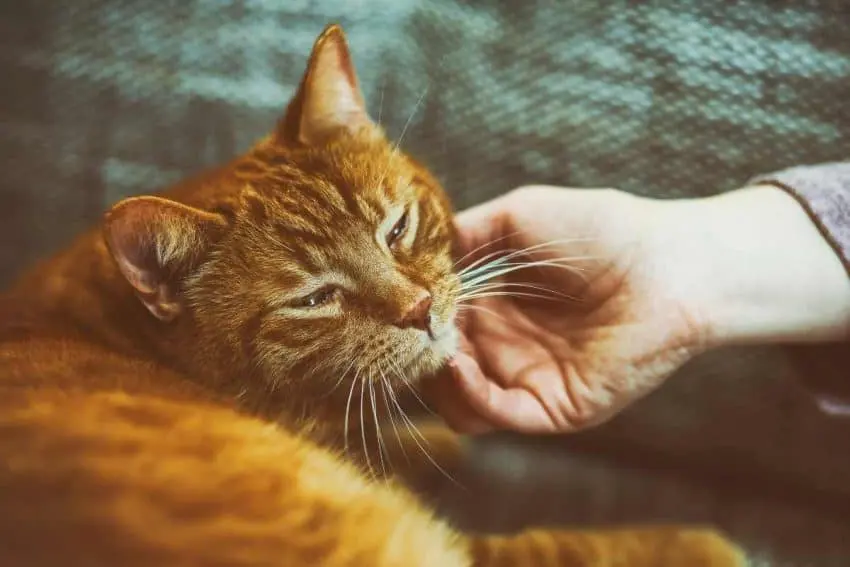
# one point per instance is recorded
(320, 257)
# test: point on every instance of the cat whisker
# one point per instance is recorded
(485, 310)
(363, 430)
(341, 378)
(378, 435)
(384, 387)
(478, 248)
(486, 271)
(412, 389)
(418, 398)
(381, 103)
(515, 289)
(409, 119)
(486, 262)
(515, 294)
(278, 241)
(397, 145)
(489, 286)
(401, 414)
(415, 434)
(348, 409)
(512, 253)
(507, 268)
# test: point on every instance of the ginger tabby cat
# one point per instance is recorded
(176, 384)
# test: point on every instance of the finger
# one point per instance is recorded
(512, 408)
(453, 408)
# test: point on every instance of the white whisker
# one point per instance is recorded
(348, 407)
(488, 270)
(409, 118)
(489, 286)
(509, 294)
(412, 390)
(481, 308)
(341, 378)
(363, 431)
(478, 248)
(419, 399)
(378, 436)
(384, 387)
(381, 104)
(486, 262)
(504, 269)
(414, 433)
(512, 253)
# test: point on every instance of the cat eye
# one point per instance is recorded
(398, 230)
(318, 298)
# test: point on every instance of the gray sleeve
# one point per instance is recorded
(824, 192)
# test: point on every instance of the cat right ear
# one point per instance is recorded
(156, 243)
(328, 100)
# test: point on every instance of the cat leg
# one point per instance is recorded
(628, 547)
(113, 479)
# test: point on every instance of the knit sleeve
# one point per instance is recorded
(824, 192)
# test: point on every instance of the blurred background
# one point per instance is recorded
(104, 99)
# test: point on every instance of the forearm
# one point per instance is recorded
(762, 271)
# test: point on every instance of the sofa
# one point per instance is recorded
(105, 99)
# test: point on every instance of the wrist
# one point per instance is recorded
(752, 267)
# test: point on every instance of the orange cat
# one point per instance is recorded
(176, 387)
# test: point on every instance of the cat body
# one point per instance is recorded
(200, 379)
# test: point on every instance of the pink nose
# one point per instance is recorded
(419, 315)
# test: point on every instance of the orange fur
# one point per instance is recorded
(174, 386)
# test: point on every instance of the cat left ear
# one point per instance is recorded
(156, 243)
(328, 100)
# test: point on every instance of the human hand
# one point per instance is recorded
(623, 291)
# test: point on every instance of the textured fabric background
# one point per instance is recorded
(103, 99)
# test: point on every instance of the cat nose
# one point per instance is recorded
(418, 315)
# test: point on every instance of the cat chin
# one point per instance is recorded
(444, 348)
(447, 344)
(435, 356)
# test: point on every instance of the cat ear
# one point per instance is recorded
(157, 242)
(328, 99)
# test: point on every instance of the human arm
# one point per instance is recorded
(754, 266)
(674, 278)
